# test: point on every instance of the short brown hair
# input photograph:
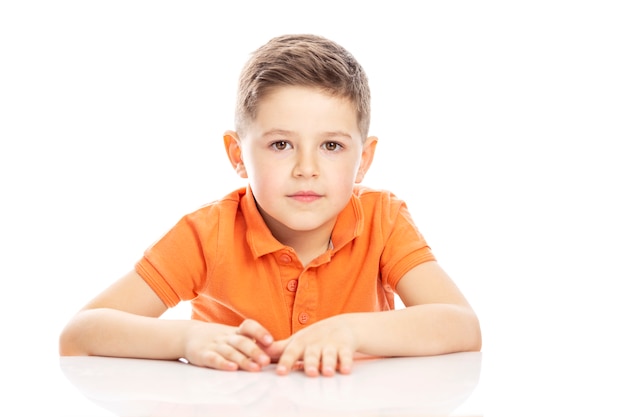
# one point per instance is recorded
(302, 60)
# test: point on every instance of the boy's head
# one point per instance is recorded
(304, 61)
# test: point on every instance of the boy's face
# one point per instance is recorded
(302, 155)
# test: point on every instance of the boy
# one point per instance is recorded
(299, 267)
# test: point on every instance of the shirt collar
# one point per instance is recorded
(348, 226)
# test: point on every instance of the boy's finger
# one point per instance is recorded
(253, 329)
(244, 360)
(312, 359)
(212, 359)
(287, 360)
(346, 358)
(248, 348)
(275, 350)
(329, 361)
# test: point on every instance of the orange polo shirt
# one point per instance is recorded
(224, 259)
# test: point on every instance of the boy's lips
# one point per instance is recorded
(305, 196)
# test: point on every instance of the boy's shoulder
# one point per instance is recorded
(377, 200)
(365, 193)
(228, 203)
(363, 190)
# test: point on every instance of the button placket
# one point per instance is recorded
(292, 285)
(285, 258)
(303, 318)
(290, 270)
(306, 300)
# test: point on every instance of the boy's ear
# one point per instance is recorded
(367, 156)
(233, 150)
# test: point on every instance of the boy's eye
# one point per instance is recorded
(332, 146)
(280, 145)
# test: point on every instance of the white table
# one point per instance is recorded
(437, 385)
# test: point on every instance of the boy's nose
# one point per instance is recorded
(306, 165)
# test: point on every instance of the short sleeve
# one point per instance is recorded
(405, 247)
(175, 267)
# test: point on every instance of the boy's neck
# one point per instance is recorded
(307, 245)
(307, 251)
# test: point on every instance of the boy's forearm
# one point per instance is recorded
(108, 332)
(428, 329)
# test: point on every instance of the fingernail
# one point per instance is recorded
(281, 369)
(311, 371)
(267, 339)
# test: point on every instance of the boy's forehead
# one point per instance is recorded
(307, 103)
(301, 110)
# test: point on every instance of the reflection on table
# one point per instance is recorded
(435, 385)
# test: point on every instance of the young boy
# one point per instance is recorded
(299, 267)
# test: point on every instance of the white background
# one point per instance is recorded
(502, 124)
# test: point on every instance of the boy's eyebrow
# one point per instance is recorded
(273, 132)
(338, 133)
(282, 132)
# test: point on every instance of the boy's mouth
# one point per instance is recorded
(305, 196)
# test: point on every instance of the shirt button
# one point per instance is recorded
(303, 318)
(292, 285)
(284, 258)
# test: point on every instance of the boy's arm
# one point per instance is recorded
(123, 321)
(438, 319)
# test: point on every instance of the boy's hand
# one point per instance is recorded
(323, 347)
(228, 348)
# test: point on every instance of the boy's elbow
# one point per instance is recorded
(68, 342)
(467, 334)
(476, 344)
(474, 338)
(65, 346)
